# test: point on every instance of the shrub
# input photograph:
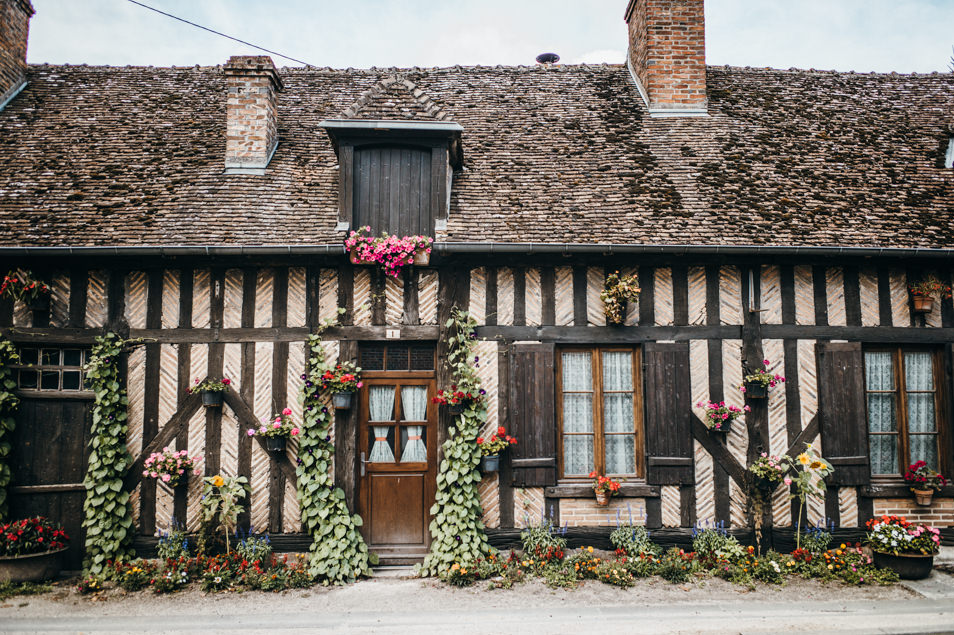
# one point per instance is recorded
(133, 576)
(173, 544)
(714, 544)
(254, 548)
(614, 573)
(539, 540)
(816, 539)
(634, 540)
(676, 565)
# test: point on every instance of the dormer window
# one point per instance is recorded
(395, 176)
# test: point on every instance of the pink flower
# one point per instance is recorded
(277, 424)
(278, 419)
(154, 474)
(294, 432)
(196, 472)
(146, 473)
(787, 480)
(251, 432)
(166, 478)
(227, 381)
(286, 411)
(360, 384)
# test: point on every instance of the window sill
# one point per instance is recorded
(898, 489)
(579, 490)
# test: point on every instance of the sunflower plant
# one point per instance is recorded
(221, 496)
(810, 470)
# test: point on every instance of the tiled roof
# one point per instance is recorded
(133, 156)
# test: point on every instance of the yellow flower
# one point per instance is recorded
(218, 481)
(455, 567)
(842, 546)
(803, 458)
(815, 465)
(590, 549)
(829, 566)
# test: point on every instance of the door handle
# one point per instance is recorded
(362, 463)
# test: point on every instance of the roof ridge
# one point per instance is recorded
(379, 89)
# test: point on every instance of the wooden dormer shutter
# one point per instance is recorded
(532, 415)
(668, 400)
(841, 410)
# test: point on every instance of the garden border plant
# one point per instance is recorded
(8, 408)
(457, 531)
(338, 552)
(107, 515)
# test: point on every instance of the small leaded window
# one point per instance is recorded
(396, 356)
(51, 369)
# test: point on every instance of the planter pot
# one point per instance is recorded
(923, 303)
(755, 390)
(30, 568)
(421, 258)
(275, 444)
(765, 486)
(212, 398)
(489, 463)
(923, 497)
(358, 260)
(602, 499)
(907, 566)
(342, 400)
(725, 429)
(40, 302)
(455, 409)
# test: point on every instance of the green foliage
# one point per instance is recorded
(254, 548)
(677, 566)
(541, 538)
(714, 544)
(8, 408)
(457, 533)
(135, 575)
(338, 551)
(107, 518)
(173, 544)
(220, 501)
(12, 589)
(634, 540)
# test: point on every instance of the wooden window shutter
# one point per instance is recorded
(532, 415)
(668, 403)
(841, 411)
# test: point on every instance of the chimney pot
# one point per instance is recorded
(251, 112)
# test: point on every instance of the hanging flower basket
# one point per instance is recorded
(924, 292)
(618, 291)
(489, 463)
(275, 444)
(212, 398)
(32, 567)
(923, 497)
(923, 303)
(908, 566)
(756, 390)
(342, 400)
(725, 428)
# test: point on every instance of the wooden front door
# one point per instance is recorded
(397, 447)
(51, 442)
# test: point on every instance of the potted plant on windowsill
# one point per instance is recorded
(923, 482)
(276, 431)
(22, 287)
(755, 385)
(604, 487)
(30, 550)
(905, 548)
(719, 416)
(342, 382)
(212, 390)
(457, 401)
(391, 252)
(171, 467)
(924, 293)
(617, 292)
(490, 449)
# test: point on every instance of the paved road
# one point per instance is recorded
(907, 616)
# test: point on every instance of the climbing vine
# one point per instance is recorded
(457, 532)
(107, 521)
(8, 407)
(338, 552)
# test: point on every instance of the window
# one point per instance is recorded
(397, 356)
(51, 369)
(902, 404)
(600, 412)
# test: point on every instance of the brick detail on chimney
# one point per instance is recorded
(667, 52)
(251, 111)
(14, 29)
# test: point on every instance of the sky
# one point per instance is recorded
(861, 35)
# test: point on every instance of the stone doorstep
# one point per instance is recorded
(392, 571)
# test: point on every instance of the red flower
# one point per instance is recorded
(480, 440)
(501, 431)
(593, 474)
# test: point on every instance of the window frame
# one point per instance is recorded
(38, 392)
(599, 438)
(941, 422)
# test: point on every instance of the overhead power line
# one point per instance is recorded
(199, 26)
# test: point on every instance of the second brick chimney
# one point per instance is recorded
(667, 54)
(251, 113)
(14, 27)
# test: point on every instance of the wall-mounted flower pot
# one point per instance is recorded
(489, 463)
(342, 400)
(623, 312)
(908, 566)
(212, 398)
(922, 303)
(724, 428)
(602, 499)
(923, 497)
(765, 486)
(32, 567)
(275, 444)
(455, 409)
(40, 302)
(421, 258)
(756, 390)
(358, 260)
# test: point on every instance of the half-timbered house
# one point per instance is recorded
(769, 214)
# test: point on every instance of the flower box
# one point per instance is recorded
(342, 400)
(756, 390)
(908, 566)
(212, 398)
(275, 444)
(489, 463)
(31, 567)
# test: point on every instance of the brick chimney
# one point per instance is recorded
(14, 27)
(667, 54)
(251, 113)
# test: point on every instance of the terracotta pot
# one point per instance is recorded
(31, 567)
(923, 497)
(212, 398)
(275, 444)
(489, 463)
(923, 303)
(755, 390)
(421, 258)
(602, 499)
(342, 400)
(908, 566)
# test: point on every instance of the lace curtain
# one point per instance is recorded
(922, 423)
(577, 414)
(381, 405)
(619, 449)
(882, 412)
(414, 404)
